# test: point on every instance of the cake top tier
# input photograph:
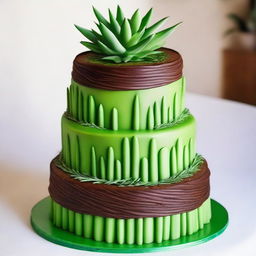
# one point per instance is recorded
(90, 70)
(120, 39)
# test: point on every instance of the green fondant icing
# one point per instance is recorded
(132, 108)
(71, 221)
(78, 142)
(166, 227)
(133, 231)
(64, 218)
(88, 225)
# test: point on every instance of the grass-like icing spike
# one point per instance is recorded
(120, 39)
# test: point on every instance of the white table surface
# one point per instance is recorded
(226, 136)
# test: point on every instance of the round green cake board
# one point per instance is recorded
(41, 223)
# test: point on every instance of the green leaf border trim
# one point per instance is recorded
(186, 173)
(184, 114)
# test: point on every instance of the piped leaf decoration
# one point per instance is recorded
(135, 21)
(126, 32)
(122, 40)
(119, 15)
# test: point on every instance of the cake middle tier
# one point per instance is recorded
(126, 110)
(149, 155)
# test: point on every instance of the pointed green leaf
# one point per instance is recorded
(115, 27)
(111, 39)
(166, 32)
(105, 49)
(99, 37)
(91, 46)
(140, 46)
(115, 59)
(152, 28)
(135, 21)
(87, 33)
(145, 20)
(119, 15)
(159, 37)
(125, 33)
(135, 38)
(100, 17)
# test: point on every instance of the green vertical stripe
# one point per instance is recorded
(159, 229)
(118, 170)
(93, 162)
(164, 163)
(157, 114)
(82, 106)
(186, 159)
(114, 119)
(110, 230)
(102, 168)
(153, 162)
(191, 150)
(174, 167)
(148, 233)
(126, 158)
(164, 113)
(77, 163)
(71, 221)
(91, 109)
(64, 218)
(111, 159)
(166, 227)
(88, 225)
(58, 215)
(101, 116)
(120, 231)
(179, 151)
(201, 217)
(99, 231)
(135, 158)
(150, 119)
(144, 169)
(175, 226)
(139, 231)
(184, 224)
(130, 231)
(78, 224)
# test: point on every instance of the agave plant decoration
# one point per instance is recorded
(124, 40)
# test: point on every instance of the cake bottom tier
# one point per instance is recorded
(131, 231)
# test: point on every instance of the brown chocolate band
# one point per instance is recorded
(126, 76)
(129, 202)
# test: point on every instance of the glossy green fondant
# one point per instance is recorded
(176, 229)
(86, 148)
(126, 110)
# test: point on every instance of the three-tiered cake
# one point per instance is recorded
(128, 172)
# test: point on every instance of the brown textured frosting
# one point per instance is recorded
(129, 202)
(127, 76)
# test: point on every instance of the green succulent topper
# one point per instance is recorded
(122, 39)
